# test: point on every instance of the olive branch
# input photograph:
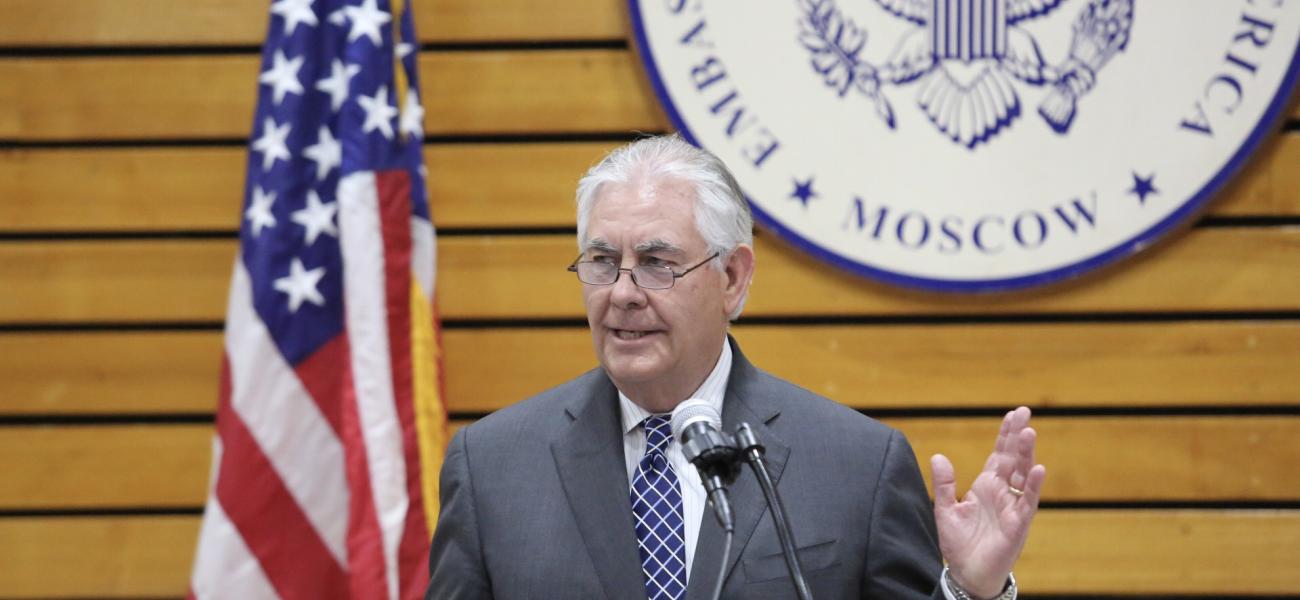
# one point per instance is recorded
(836, 43)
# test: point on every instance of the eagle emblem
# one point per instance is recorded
(965, 58)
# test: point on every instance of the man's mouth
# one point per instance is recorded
(627, 334)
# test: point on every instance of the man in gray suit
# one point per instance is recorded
(580, 492)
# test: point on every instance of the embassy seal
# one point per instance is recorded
(973, 145)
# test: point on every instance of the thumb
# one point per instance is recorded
(945, 481)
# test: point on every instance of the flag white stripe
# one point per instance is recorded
(424, 254)
(286, 423)
(223, 565)
(366, 314)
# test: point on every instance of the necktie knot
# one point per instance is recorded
(658, 433)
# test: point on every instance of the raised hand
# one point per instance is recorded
(982, 535)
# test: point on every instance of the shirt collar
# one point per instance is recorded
(713, 390)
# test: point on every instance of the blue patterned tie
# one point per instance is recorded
(657, 506)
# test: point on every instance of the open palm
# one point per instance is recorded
(982, 535)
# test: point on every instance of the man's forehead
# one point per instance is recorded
(643, 215)
(644, 194)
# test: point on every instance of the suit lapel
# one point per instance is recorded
(746, 402)
(589, 458)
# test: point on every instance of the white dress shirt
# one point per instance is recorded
(693, 496)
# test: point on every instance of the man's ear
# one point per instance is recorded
(739, 271)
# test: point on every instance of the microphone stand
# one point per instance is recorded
(752, 451)
(716, 456)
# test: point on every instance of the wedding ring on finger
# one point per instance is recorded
(1015, 490)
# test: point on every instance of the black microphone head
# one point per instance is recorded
(691, 412)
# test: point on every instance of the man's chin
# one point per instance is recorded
(631, 370)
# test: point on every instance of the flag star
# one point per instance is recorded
(317, 218)
(338, 18)
(259, 211)
(294, 12)
(366, 20)
(379, 113)
(412, 115)
(283, 76)
(336, 85)
(272, 143)
(403, 50)
(327, 153)
(300, 284)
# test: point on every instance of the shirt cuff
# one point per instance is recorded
(1009, 592)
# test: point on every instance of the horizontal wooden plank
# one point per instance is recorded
(185, 97)
(129, 372)
(41, 23)
(168, 280)
(470, 185)
(170, 189)
(1107, 459)
(1215, 269)
(513, 277)
(865, 366)
(508, 185)
(171, 97)
(1117, 458)
(1143, 553)
(1268, 186)
(537, 92)
(97, 557)
(109, 466)
(1079, 365)
(114, 189)
(1147, 553)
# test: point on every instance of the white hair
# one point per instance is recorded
(722, 214)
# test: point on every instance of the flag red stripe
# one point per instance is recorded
(395, 219)
(292, 555)
(327, 376)
(365, 544)
(322, 375)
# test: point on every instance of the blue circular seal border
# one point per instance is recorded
(1266, 125)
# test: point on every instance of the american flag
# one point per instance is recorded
(330, 427)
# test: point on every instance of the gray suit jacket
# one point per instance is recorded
(535, 502)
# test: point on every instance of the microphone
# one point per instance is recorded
(696, 425)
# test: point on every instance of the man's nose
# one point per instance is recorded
(626, 293)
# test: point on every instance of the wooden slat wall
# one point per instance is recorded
(1168, 388)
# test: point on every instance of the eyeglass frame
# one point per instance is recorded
(573, 268)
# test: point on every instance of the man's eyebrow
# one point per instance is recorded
(657, 245)
(600, 245)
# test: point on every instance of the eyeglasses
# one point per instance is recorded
(650, 277)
